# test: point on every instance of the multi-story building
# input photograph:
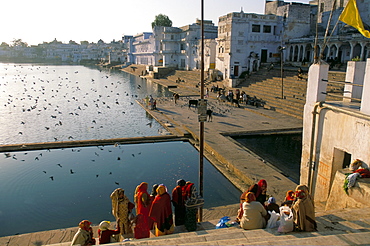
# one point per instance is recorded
(336, 42)
(172, 46)
(244, 41)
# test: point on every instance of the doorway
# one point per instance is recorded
(263, 56)
(236, 71)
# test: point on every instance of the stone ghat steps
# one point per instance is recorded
(336, 227)
(267, 86)
(188, 76)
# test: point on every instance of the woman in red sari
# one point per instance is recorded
(161, 212)
(142, 200)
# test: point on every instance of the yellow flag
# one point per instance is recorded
(351, 16)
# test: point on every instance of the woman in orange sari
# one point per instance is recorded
(142, 200)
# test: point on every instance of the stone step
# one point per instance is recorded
(275, 93)
(274, 98)
(267, 86)
(336, 227)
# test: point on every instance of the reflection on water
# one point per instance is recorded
(58, 103)
(281, 150)
(49, 189)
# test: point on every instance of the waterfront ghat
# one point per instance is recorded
(241, 167)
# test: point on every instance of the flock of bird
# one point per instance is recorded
(46, 99)
(50, 170)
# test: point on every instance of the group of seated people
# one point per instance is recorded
(241, 97)
(153, 213)
(256, 211)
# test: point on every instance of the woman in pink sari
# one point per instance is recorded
(142, 200)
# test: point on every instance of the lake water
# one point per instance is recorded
(57, 188)
(55, 103)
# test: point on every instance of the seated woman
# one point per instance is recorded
(106, 235)
(304, 210)
(161, 212)
(253, 213)
(84, 235)
(259, 190)
(272, 206)
(289, 198)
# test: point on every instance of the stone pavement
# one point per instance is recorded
(238, 164)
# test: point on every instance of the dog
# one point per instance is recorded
(209, 115)
(193, 102)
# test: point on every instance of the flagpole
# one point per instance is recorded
(315, 58)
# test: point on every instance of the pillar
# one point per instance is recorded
(354, 74)
(315, 87)
(365, 99)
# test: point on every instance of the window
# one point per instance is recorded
(266, 29)
(241, 34)
(322, 7)
(182, 46)
(240, 42)
(256, 28)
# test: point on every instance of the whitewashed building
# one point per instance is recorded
(335, 133)
(244, 41)
(172, 46)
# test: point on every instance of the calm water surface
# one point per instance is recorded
(56, 103)
(50, 189)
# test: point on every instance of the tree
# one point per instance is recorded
(161, 20)
(19, 42)
(3, 44)
(84, 42)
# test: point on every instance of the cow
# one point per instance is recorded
(193, 102)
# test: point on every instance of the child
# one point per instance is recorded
(105, 234)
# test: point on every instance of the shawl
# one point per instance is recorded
(304, 210)
(257, 190)
(289, 195)
(116, 200)
(142, 198)
(84, 225)
(250, 197)
(84, 235)
(179, 194)
(161, 210)
(260, 183)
